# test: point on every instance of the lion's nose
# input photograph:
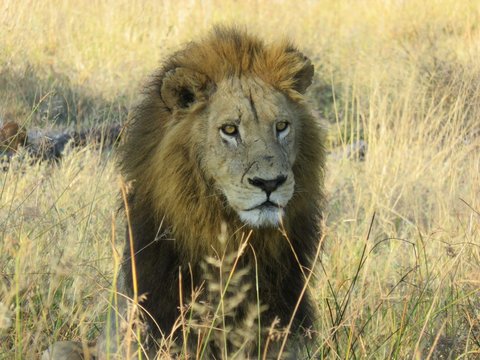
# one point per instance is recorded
(268, 186)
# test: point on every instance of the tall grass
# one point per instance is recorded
(398, 276)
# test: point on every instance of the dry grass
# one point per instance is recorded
(399, 273)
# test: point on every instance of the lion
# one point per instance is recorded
(222, 142)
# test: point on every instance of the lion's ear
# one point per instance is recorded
(304, 75)
(182, 87)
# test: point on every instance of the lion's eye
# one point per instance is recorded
(281, 126)
(230, 130)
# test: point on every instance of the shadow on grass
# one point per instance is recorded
(37, 98)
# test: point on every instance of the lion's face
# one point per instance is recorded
(251, 149)
(223, 130)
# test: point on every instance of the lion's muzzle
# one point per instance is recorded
(263, 203)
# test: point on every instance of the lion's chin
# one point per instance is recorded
(258, 218)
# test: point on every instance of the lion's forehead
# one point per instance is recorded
(249, 100)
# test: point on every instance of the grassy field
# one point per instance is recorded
(399, 275)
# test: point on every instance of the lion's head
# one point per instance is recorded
(223, 135)
(250, 131)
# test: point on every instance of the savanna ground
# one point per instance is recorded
(399, 273)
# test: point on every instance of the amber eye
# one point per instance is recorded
(281, 126)
(230, 130)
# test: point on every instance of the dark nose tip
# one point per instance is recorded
(268, 186)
